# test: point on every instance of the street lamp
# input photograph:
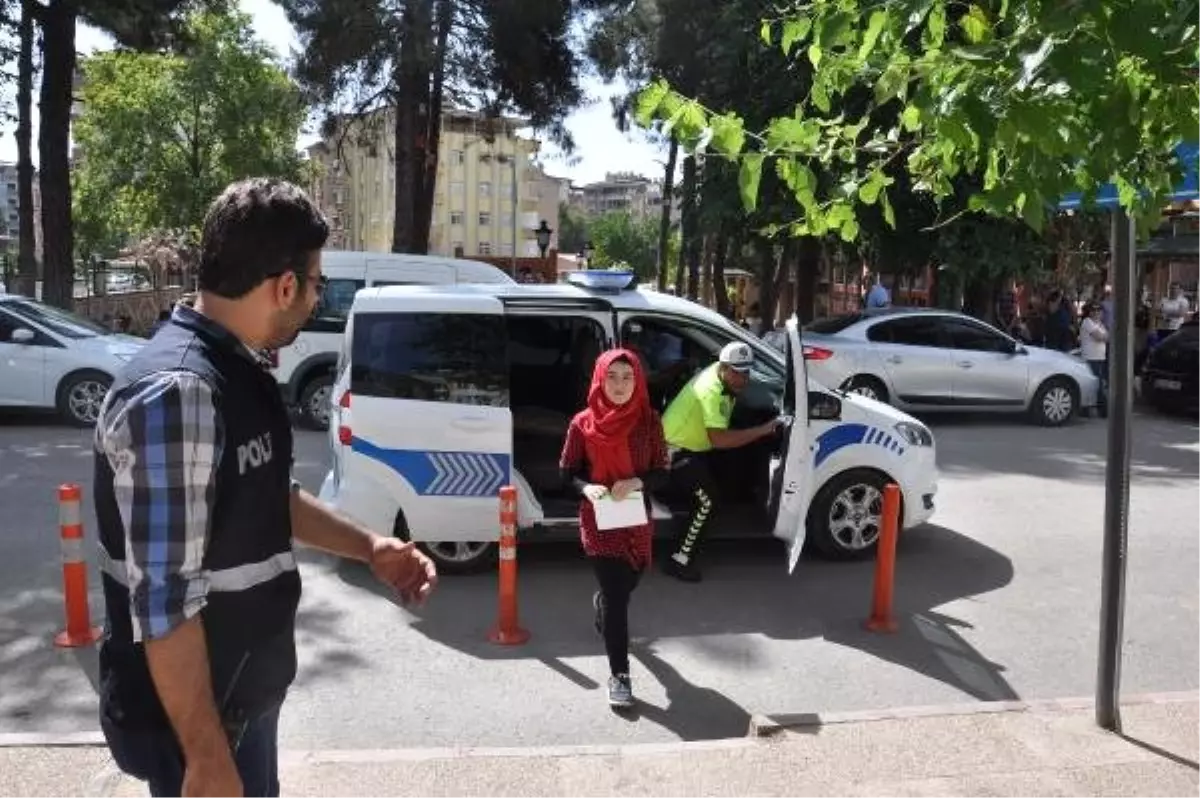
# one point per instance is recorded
(542, 234)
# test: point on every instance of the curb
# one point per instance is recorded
(768, 725)
(760, 726)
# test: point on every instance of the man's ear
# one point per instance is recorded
(285, 289)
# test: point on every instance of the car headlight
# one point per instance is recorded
(915, 434)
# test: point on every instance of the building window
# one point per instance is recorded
(485, 247)
(457, 157)
(456, 217)
(456, 247)
(485, 189)
(485, 220)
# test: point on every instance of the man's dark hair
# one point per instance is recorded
(258, 228)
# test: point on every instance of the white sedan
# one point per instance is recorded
(56, 360)
(931, 360)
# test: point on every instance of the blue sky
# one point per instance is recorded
(600, 147)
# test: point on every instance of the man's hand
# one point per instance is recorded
(623, 487)
(769, 429)
(215, 775)
(404, 568)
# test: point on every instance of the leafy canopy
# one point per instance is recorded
(160, 135)
(1038, 98)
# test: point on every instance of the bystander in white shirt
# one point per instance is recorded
(1174, 310)
(1093, 338)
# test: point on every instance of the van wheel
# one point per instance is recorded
(846, 515)
(452, 557)
(314, 402)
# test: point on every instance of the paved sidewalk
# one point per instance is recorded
(1040, 748)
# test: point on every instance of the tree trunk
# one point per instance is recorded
(54, 134)
(412, 93)
(433, 126)
(768, 271)
(664, 223)
(720, 258)
(685, 283)
(808, 273)
(26, 232)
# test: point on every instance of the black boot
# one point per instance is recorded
(684, 572)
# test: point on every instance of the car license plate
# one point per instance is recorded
(1168, 385)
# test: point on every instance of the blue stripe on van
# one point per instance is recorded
(449, 474)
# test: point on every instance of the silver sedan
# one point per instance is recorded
(928, 360)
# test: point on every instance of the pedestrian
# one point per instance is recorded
(615, 447)
(197, 513)
(696, 423)
(1172, 310)
(1093, 345)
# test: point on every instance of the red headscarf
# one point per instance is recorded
(606, 426)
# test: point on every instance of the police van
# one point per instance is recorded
(444, 394)
(304, 368)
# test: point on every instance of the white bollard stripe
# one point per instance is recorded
(68, 513)
(72, 550)
(507, 553)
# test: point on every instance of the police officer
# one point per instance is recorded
(197, 512)
(697, 422)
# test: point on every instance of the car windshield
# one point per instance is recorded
(58, 321)
(834, 324)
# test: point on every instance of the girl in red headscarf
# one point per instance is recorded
(615, 447)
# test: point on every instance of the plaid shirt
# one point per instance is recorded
(163, 438)
(648, 450)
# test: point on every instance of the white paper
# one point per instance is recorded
(613, 514)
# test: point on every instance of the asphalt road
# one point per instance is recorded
(998, 599)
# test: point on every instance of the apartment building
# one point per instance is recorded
(10, 205)
(474, 213)
(619, 191)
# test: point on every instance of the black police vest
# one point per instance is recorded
(254, 587)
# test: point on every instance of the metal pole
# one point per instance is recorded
(1116, 478)
(513, 161)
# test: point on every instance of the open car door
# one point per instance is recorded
(791, 465)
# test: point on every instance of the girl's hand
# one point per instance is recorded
(622, 488)
(595, 492)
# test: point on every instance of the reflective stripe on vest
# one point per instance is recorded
(223, 580)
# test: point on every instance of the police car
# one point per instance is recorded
(444, 394)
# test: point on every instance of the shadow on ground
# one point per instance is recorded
(1164, 448)
(746, 592)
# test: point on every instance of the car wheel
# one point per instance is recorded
(452, 557)
(1055, 403)
(870, 387)
(81, 396)
(314, 402)
(846, 515)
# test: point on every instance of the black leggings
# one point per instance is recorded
(618, 579)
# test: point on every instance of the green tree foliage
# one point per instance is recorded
(1032, 99)
(162, 134)
(136, 24)
(572, 229)
(619, 238)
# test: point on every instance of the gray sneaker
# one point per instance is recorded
(620, 691)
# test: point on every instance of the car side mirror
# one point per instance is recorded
(824, 407)
(22, 335)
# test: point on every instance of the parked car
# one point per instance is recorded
(446, 393)
(53, 359)
(304, 368)
(1169, 376)
(937, 360)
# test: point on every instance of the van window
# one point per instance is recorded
(431, 357)
(330, 315)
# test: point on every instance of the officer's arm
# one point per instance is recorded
(163, 445)
(316, 525)
(736, 438)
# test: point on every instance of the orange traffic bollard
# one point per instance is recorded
(508, 631)
(881, 619)
(79, 631)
